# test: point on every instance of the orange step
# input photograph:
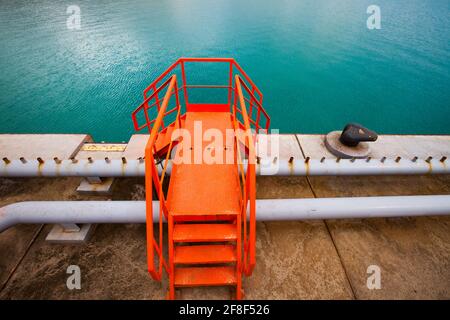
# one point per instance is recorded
(205, 254)
(204, 232)
(205, 276)
(164, 138)
(165, 135)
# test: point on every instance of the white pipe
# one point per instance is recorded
(312, 167)
(74, 212)
(334, 167)
(70, 168)
(355, 207)
(267, 210)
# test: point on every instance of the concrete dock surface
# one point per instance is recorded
(295, 260)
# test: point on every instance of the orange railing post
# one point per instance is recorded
(230, 83)
(249, 186)
(183, 78)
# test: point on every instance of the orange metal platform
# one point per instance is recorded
(204, 189)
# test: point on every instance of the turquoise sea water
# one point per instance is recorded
(315, 61)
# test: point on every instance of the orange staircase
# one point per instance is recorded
(210, 202)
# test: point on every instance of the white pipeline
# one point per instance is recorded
(266, 210)
(300, 167)
(72, 168)
(355, 167)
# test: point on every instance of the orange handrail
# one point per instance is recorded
(248, 181)
(250, 86)
(144, 106)
(260, 109)
(152, 179)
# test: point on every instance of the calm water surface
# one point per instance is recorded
(315, 61)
